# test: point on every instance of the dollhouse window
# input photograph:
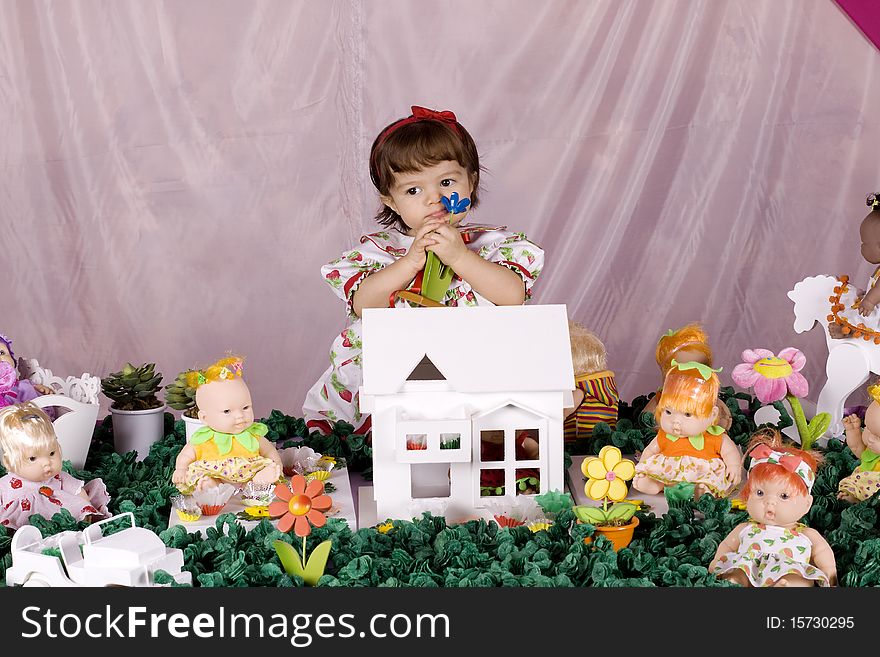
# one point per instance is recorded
(433, 441)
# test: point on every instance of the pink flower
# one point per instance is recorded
(772, 377)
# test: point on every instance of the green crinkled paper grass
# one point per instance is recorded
(671, 550)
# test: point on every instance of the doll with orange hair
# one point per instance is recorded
(231, 447)
(865, 444)
(690, 450)
(689, 343)
(773, 548)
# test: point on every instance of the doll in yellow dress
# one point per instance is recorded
(231, 447)
(865, 444)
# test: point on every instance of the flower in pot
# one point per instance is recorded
(138, 415)
(607, 475)
(181, 396)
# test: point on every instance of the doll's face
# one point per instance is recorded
(225, 406)
(869, 232)
(777, 502)
(40, 464)
(871, 432)
(5, 356)
(415, 196)
(678, 423)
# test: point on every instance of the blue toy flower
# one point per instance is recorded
(455, 205)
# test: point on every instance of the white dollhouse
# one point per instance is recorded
(466, 403)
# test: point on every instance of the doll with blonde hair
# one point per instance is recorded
(865, 444)
(595, 390)
(773, 548)
(35, 482)
(689, 449)
(231, 447)
(690, 343)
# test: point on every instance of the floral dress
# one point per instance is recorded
(21, 498)
(233, 458)
(767, 553)
(865, 479)
(695, 460)
(335, 395)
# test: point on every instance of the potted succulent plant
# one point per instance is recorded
(138, 415)
(607, 475)
(181, 396)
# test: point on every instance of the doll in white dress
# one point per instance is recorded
(773, 548)
(35, 482)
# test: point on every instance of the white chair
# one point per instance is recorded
(74, 429)
(84, 388)
(78, 396)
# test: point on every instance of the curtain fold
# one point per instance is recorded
(175, 173)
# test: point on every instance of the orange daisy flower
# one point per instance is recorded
(301, 504)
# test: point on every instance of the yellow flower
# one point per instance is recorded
(607, 474)
(538, 526)
(385, 527)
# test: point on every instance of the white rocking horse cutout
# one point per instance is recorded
(850, 360)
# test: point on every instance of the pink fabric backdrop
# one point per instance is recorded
(175, 173)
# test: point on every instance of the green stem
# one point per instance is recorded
(304, 552)
(800, 421)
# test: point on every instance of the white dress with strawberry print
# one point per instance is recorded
(21, 498)
(768, 552)
(335, 395)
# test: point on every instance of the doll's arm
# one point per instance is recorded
(577, 396)
(652, 449)
(822, 555)
(187, 455)
(729, 544)
(733, 460)
(268, 450)
(869, 301)
(854, 434)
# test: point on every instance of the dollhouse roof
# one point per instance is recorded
(488, 349)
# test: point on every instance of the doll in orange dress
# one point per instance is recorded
(689, 449)
(689, 343)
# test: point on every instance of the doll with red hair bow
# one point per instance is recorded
(773, 548)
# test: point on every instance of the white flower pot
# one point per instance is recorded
(137, 430)
(191, 424)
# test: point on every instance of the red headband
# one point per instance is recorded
(419, 114)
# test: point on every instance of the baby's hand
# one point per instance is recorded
(424, 238)
(178, 477)
(43, 390)
(852, 422)
(448, 244)
(865, 306)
